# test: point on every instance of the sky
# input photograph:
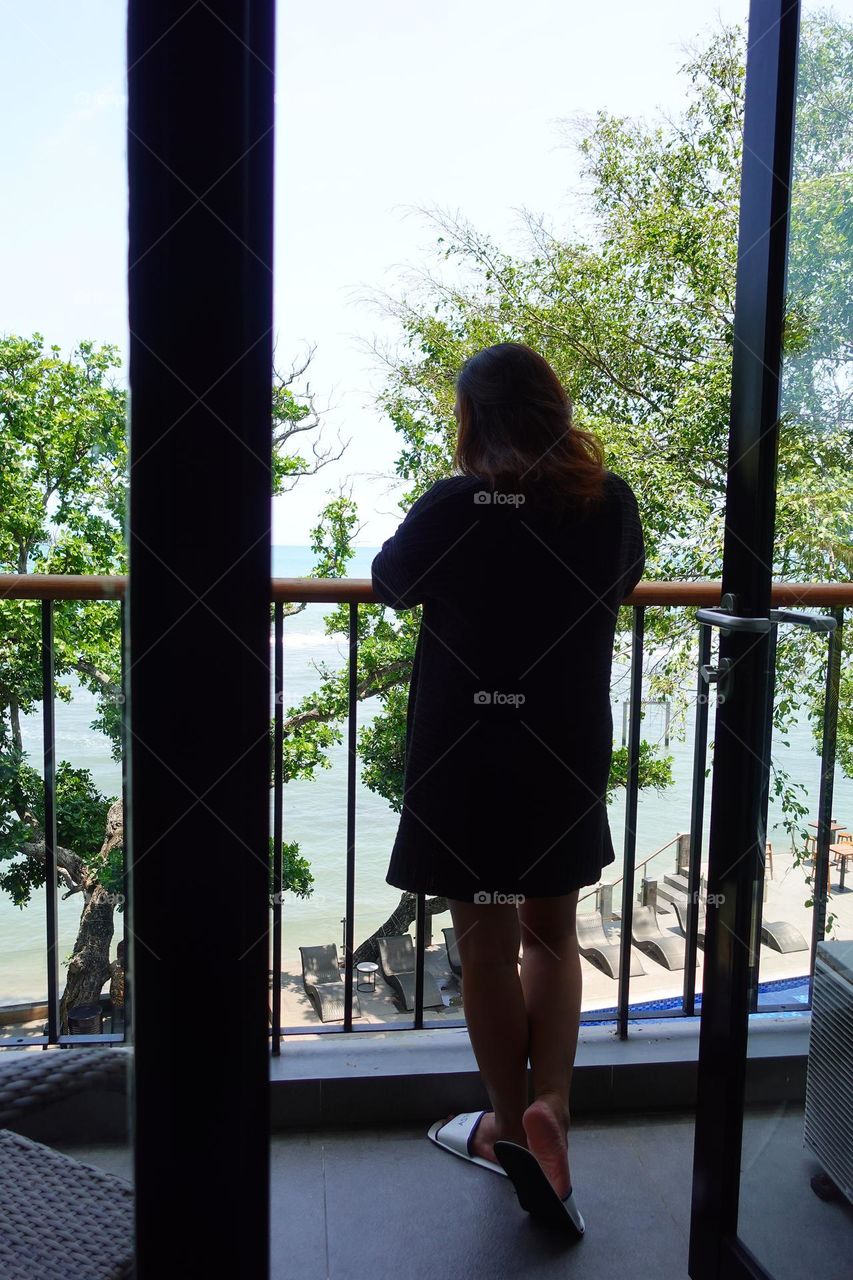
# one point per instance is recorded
(383, 109)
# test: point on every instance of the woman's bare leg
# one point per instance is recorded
(488, 939)
(552, 984)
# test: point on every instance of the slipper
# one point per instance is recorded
(534, 1190)
(456, 1135)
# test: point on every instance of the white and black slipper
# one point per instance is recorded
(535, 1193)
(457, 1134)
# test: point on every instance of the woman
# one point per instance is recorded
(521, 561)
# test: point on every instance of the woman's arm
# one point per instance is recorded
(404, 568)
(632, 558)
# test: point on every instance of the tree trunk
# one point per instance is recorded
(89, 967)
(398, 922)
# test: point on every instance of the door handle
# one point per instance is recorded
(731, 621)
(728, 619)
(814, 621)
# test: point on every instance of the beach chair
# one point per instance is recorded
(781, 936)
(647, 934)
(452, 951)
(681, 911)
(595, 946)
(323, 983)
(397, 962)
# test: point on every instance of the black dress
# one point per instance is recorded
(509, 730)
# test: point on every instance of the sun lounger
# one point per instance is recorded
(452, 951)
(782, 936)
(777, 934)
(681, 912)
(595, 946)
(647, 934)
(323, 983)
(397, 961)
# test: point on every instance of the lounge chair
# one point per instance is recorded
(681, 912)
(781, 936)
(397, 961)
(647, 934)
(595, 946)
(452, 951)
(324, 986)
(46, 1196)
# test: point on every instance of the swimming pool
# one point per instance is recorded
(796, 992)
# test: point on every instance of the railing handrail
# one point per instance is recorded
(611, 884)
(89, 586)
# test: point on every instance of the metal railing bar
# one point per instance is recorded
(278, 817)
(349, 928)
(697, 820)
(632, 793)
(50, 886)
(124, 667)
(761, 867)
(420, 948)
(820, 870)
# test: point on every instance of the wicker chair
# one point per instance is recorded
(62, 1219)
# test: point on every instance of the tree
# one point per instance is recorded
(633, 307)
(635, 312)
(63, 490)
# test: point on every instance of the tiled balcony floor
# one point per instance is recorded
(361, 1205)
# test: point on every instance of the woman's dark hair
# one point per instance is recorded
(515, 428)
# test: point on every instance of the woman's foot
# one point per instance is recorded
(486, 1135)
(546, 1124)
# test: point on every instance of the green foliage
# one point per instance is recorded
(382, 746)
(332, 537)
(654, 771)
(79, 810)
(18, 783)
(63, 496)
(635, 312)
(80, 813)
(63, 459)
(296, 877)
(633, 307)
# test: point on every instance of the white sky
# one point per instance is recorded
(384, 107)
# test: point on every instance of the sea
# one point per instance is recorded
(315, 811)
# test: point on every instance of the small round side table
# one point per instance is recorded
(366, 975)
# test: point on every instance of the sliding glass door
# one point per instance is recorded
(760, 1171)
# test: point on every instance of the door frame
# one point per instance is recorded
(738, 819)
(197, 658)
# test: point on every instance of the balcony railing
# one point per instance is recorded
(831, 597)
